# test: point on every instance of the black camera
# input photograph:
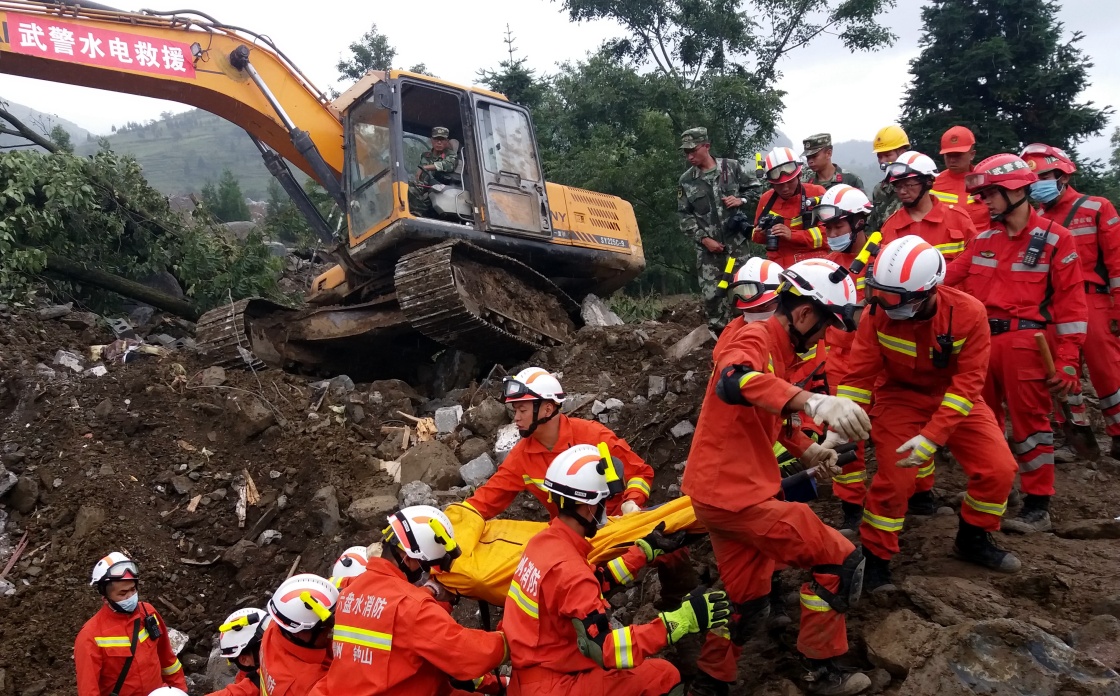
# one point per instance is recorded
(738, 224)
(767, 223)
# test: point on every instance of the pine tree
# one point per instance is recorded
(1001, 68)
(513, 79)
(226, 202)
(371, 52)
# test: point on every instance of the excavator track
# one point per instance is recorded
(475, 300)
(223, 334)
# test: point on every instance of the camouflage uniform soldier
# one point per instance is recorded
(710, 193)
(821, 171)
(890, 142)
(436, 167)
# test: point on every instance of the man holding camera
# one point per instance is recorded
(715, 201)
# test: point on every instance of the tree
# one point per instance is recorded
(1101, 178)
(59, 136)
(513, 79)
(1001, 68)
(226, 202)
(421, 69)
(371, 52)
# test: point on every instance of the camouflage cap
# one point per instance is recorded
(440, 132)
(694, 138)
(815, 143)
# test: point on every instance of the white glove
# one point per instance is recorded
(920, 447)
(833, 440)
(844, 416)
(441, 593)
(630, 506)
(819, 456)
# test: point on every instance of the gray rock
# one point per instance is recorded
(340, 385)
(7, 482)
(417, 493)
(251, 417)
(1090, 529)
(219, 494)
(182, 485)
(613, 404)
(44, 371)
(595, 312)
(324, 509)
(240, 553)
(478, 471)
(88, 518)
(80, 321)
(71, 361)
(472, 448)
(24, 494)
(371, 512)
(682, 429)
(355, 413)
(103, 409)
(220, 673)
(390, 448)
(268, 536)
(213, 376)
(656, 386)
(142, 315)
(486, 418)
(598, 407)
(56, 311)
(35, 688)
(506, 438)
(448, 417)
(1100, 639)
(950, 601)
(696, 338)
(899, 642)
(431, 462)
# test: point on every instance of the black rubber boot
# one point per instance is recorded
(876, 574)
(826, 678)
(704, 684)
(1114, 451)
(779, 615)
(921, 503)
(1033, 517)
(976, 546)
(853, 517)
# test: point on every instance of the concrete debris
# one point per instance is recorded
(80, 321)
(178, 640)
(324, 509)
(240, 553)
(613, 404)
(656, 386)
(477, 471)
(950, 601)
(268, 536)
(598, 407)
(44, 371)
(214, 376)
(472, 448)
(693, 340)
(507, 437)
(7, 482)
(431, 462)
(595, 312)
(371, 512)
(72, 361)
(251, 417)
(417, 493)
(682, 429)
(56, 311)
(485, 418)
(97, 371)
(448, 418)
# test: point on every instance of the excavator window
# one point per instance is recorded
(507, 142)
(371, 185)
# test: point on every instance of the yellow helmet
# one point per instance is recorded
(890, 138)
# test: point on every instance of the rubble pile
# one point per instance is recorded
(222, 482)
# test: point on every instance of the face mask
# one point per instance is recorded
(751, 317)
(840, 243)
(129, 604)
(1045, 190)
(902, 313)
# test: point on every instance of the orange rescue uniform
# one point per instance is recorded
(391, 637)
(553, 587)
(920, 398)
(949, 189)
(524, 468)
(243, 685)
(103, 646)
(944, 227)
(288, 669)
(803, 243)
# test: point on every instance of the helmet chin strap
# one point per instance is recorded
(927, 186)
(1000, 217)
(801, 340)
(537, 420)
(413, 576)
(590, 527)
(103, 586)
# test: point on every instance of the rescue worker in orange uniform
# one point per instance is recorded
(944, 227)
(733, 478)
(556, 620)
(393, 637)
(843, 212)
(958, 149)
(932, 343)
(124, 628)
(294, 655)
(239, 641)
(783, 220)
(1026, 272)
(1095, 227)
(536, 397)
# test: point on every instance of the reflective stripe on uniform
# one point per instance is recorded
(817, 237)
(981, 261)
(1113, 221)
(814, 603)
(899, 345)
(620, 572)
(529, 481)
(638, 485)
(848, 479)
(1024, 268)
(363, 637)
(172, 668)
(1091, 205)
(946, 197)
(1113, 283)
(120, 641)
(1071, 327)
(1033, 440)
(861, 283)
(1038, 462)
(1075, 399)
(886, 524)
(860, 396)
(958, 403)
(1083, 231)
(623, 648)
(524, 601)
(950, 247)
(986, 234)
(927, 470)
(747, 377)
(926, 449)
(1113, 419)
(996, 509)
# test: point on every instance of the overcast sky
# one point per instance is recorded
(455, 38)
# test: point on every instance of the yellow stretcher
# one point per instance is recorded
(492, 549)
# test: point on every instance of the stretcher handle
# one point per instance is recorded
(1047, 357)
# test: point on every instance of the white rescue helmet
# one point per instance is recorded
(823, 281)
(585, 474)
(533, 384)
(907, 270)
(781, 165)
(911, 164)
(115, 566)
(302, 602)
(240, 630)
(168, 691)
(350, 564)
(425, 534)
(842, 201)
(755, 283)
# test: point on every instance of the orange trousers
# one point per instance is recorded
(749, 544)
(651, 678)
(978, 445)
(1103, 360)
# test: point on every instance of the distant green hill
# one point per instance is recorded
(181, 152)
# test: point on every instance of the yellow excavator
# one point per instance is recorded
(496, 267)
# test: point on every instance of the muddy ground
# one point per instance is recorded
(114, 462)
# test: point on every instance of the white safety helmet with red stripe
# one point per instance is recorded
(350, 564)
(424, 534)
(115, 566)
(168, 691)
(533, 384)
(828, 285)
(906, 271)
(755, 284)
(911, 164)
(781, 165)
(302, 602)
(842, 201)
(242, 630)
(588, 475)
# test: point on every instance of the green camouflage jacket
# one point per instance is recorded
(700, 197)
(445, 164)
(884, 203)
(840, 177)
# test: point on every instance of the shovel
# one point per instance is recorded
(1079, 437)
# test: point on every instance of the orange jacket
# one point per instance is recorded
(242, 685)
(904, 351)
(288, 669)
(1095, 228)
(553, 586)
(102, 646)
(949, 189)
(391, 637)
(525, 466)
(731, 464)
(991, 270)
(946, 227)
(804, 243)
(840, 342)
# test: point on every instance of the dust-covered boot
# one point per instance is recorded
(1114, 451)
(779, 615)
(853, 518)
(826, 678)
(1082, 441)
(1033, 517)
(921, 503)
(703, 684)
(975, 545)
(876, 574)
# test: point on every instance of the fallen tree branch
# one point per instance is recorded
(68, 268)
(25, 131)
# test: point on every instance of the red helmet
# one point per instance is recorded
(1042, 158)
(1005, 170)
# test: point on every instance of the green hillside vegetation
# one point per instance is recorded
(181, 153)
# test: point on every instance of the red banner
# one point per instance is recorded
(47, 37)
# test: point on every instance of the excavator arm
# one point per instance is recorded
(185, 57)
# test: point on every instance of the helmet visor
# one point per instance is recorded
(977, 181)
(901, 170)
(122, 570)
(512, 390)
(1036, 149)
(827, 212)
(891, 298)
(782, 171)
(747, 291)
